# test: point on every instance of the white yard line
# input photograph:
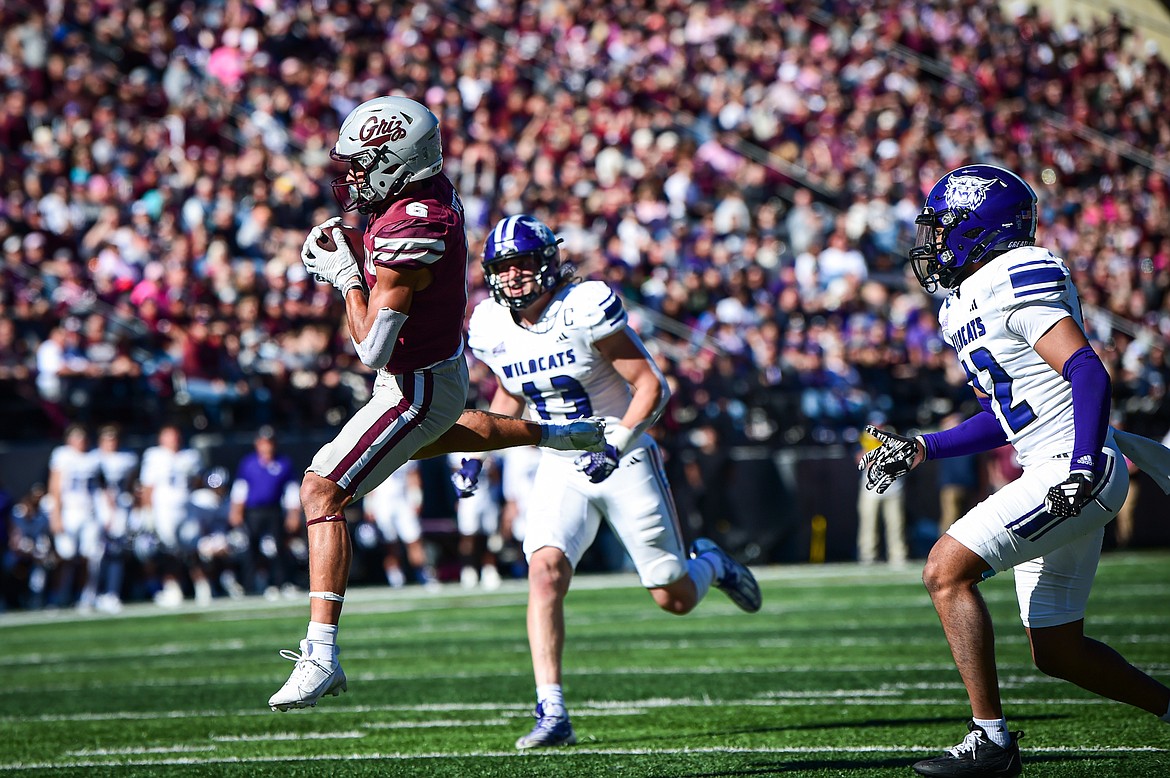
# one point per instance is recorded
(139, 751)
(812, 698)
(778, 670)
(279, 736)
(445, 723)
(562, 753)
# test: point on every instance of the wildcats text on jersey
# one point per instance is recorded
(559, 359)
(968, 333)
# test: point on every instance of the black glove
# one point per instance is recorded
(894, 458)
(1069, 497)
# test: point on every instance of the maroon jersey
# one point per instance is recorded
(424, 229)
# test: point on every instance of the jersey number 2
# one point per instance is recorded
(1019, 415)
(571, 392)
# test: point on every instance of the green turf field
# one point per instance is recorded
(843, 673)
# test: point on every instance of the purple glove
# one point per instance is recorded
(466, 478)
(598, 464)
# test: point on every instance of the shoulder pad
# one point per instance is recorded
(1031, 275)
(481, 334)
(592, 305)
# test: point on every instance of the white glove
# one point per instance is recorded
(894, 458)
(337, 266)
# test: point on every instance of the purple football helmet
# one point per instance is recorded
(970, 212)
(515, 238)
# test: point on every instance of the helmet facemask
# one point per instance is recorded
(544, 266)
(933, 262)
(372, 174)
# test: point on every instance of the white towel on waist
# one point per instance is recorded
(1151, 457)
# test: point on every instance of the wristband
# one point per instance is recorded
(618, 436)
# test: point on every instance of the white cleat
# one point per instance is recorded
(489, 578)
(581, 435)
(311, 680)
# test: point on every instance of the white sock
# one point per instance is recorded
(702, 572)
(322, 640)
(996, 731)
(1166, 716)
(551, 699)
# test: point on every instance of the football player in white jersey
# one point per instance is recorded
(73, 517)
(1014, 318)
(392, 510)
(117, 471)
(562, 350)
(519, 474)
(477, 515)
(168, 470)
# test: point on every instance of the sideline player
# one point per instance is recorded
(563, 349)
(1014, 317)
(168, 472)
(477, 514)
(73, 517)
(117, 476)
(404, 306)
(392, 508)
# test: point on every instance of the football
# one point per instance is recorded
(353, 239)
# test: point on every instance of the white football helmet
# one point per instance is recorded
(387, 143)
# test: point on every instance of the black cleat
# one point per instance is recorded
(976, 756)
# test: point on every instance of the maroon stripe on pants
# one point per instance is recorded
(374, 432)
(424, 408)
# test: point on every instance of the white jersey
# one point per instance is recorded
(169, 475)
(117, 469)
(993, 320)
(394, 504)
(519, 470)
(555, 365)
(396, 489)
(78, 471)
(479, 512)
(558, 369)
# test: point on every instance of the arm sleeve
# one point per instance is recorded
(981, 432)
(1091, 395)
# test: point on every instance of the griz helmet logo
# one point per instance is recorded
(377, 131)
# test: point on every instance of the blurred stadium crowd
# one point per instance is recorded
(746, 174)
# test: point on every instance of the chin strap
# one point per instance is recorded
(329, 596)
